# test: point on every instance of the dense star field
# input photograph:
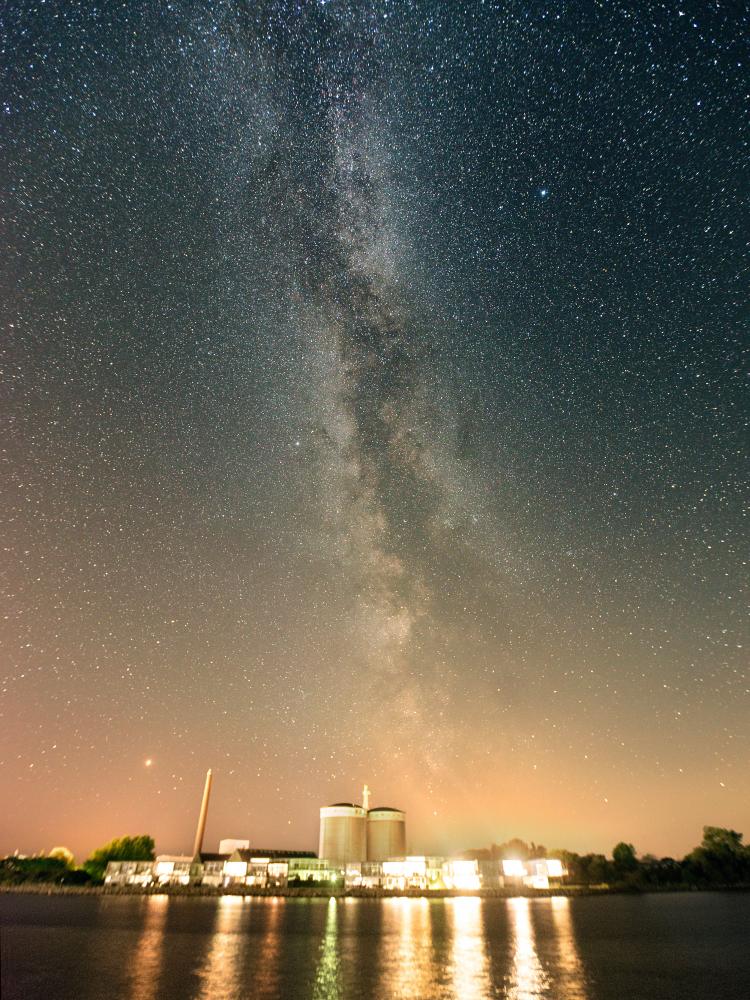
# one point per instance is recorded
(373, 411)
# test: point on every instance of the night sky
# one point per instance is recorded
(372, 394)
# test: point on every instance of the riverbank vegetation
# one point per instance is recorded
(59, 867)
(720, 861)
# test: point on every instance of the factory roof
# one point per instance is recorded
(385, 809)
(209, 856)
(348, 805)
(248, 853)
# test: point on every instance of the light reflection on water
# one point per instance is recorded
(266, 981)
(405, 959)
(677, 947)
(146, 965)
(571, 974)
(528, 978)
(424, 948)
(470, 977)
(327, 984)
(221, 973)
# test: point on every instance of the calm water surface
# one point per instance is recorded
(666, 946)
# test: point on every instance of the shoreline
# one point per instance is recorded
(47, 889)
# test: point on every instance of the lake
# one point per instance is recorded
(681, 946)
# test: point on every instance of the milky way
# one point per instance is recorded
(373, 412)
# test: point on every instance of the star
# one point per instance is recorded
(314, 406)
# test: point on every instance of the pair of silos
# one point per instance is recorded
(351, 833)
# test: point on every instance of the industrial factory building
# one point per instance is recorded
(360, 848)
(351, 833)
(282, 869)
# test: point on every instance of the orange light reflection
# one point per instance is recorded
(528, 979)
(469, 963)
(147, 959)
(572, 978)
(220, 976)
(406, 940)
(327, 980)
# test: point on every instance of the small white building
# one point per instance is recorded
(211, 869)
(460, 873)
(263, 868)
(230, 845)
(244, 868)
(172, 869)
(129, 873)
(537, 873)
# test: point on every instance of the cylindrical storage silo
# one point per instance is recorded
(343, 835)
(386, 834)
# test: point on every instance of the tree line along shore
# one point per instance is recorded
(720, 861)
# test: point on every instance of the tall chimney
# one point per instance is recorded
(202, 818)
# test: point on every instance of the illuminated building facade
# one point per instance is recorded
(277, 869)
(168, 869)
(130, 873)
(538, 873)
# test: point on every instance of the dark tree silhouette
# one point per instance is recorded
(140, 848)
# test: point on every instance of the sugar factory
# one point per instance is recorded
(358, 848)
